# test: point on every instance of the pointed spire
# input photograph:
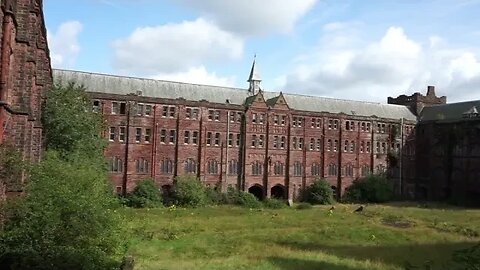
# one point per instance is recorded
(254, 78)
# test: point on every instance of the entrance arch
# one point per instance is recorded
(257, 191)
(278, 192)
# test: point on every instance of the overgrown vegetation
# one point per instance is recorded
(319, 192)
(68, 217)
(373, 188)
(11, 167)
(145, 194)
(189, 192)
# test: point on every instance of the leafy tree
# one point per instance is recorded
(373, 188)
(145, 194)
(189, 191)
(319, 192)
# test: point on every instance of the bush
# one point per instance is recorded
(215, 197)
(319, 192)
(303, 205)
(274, 204)
(145, 194)
(248, 200)
(189, 192)
(373, 188)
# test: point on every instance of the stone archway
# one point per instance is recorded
(278, 192)
(257, 191)
(167, 192)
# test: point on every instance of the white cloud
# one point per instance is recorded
(342, 66)
(174, 48)
(197, 75)
(63, 44)
(253, 17)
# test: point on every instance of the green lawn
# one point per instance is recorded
(382, 237)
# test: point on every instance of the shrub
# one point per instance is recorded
(373, 188)
(274, 203)
(469, 258)
(303, 205)
(248, 200)
(319, 192)
(189, 192)
(214, 196)
(145, 194)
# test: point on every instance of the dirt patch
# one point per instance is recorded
(397, 222)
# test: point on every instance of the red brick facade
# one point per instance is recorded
(263, 146)
(25, 73)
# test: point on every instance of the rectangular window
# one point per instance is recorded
(171, 138)
(275, 141)
(210, 115)
(195, 137)
(217, 115)
(163, 135)
(313, 123)
(335, 146)
(230, 139)
(261, 118)
(254, 118)
(282, 142)
(209, 138)
(123, 108)
(239, 117)
(188, 113)
(96, 106)
(115, 108)
(164, 111)
(260, 141)
(319, 123)
(231, 117)
(254, 140)
(283, 119)
(186, 136)
(148, 134)
(121, 135)
(237, 141)
(300, 143)
(138, 135)
(148, 110)
(195, 113)
(276, 119)
(217, 139)
(171, 112)
(111, 136)
(140, 108)
(368, 147)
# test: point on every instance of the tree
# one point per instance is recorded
(145, 194)
(319, 192)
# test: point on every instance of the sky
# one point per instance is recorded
(349, 49)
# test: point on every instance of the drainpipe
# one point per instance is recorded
(224, 186)
(154, 143)
(401, 158)
(127, 139)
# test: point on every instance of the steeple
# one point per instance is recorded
(254, 79)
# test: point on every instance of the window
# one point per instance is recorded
(365, 170)
(148, 110)
(111, 135)
(195, 137)
(313, 123)
(283, 119)
(300, 143)
(190, 166)
(297, 168)
(315, 169)
(171, 113)
(142, 165)
(231, 117)
(212, 167)
(138, 135)
(367, 150)
(217, 139)
(188, 113)
(230, 139)
(278, 168)
(166, 166)
(352, 147)
(257, 168)
(349, 170)
(96, 106)
(332, 170)
(148, 134)
(163, 135)
(254, 118)
(276, 119)
(171, 137)
(115, 108)
(363, 126)
(312, 144)
(254, 140)
(186, 137)
(121, 135)
(368, 126)
(164, 111)
(260, 141)
(282, 142)
(217, 115)
(209, 138)
(319, 145)
(123, 108)
(237, 142)
(384, 148)
(294, 143)
(350, 125)
(329, 145)
(191, 113)
(232, 167)
(275, 141)
(195, 113)
(139, 109)
(335, 124)
(345, 146)
(239, 117)
(378, 148)
(319, 123)
(116, 164)
(362, 146)
(297, 121)
(261, 118)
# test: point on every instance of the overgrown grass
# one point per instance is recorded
(226, 237)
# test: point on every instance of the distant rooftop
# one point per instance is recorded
(123, 85)
(451, 111)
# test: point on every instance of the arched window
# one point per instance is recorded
(365, 170)
(349, 170)
(352, 146)
(232, 167)
(257, 168)
(142, 165)
(329, 145)
(190, 166)
(345, 146)
(315, 170)
(297, 168)
(116, 164)
(332, 169)
(278, 168)
(294, 143)
(166, 166)
(319, 145)
(312, 144)
(212, 166)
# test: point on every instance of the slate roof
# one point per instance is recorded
(111, 84)
(450, 112)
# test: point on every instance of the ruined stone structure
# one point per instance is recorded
(25, 73)
(271, 144)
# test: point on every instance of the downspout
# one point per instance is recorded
(340, 151)
(127, 139)
(154, 144)
(224, 187)
(401, 158)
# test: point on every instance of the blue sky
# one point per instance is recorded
(366, 50)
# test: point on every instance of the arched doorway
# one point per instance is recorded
(278, 192)
(257, 191)
(167, 192)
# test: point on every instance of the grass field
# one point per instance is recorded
(224, 237)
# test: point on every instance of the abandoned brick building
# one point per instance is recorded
(24, 75)
(274, 144)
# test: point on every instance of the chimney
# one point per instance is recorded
(431, 91)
